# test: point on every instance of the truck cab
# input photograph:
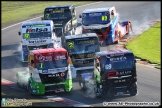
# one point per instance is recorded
(115, 73)
(64, 18)
(37, 35)
(103, 22)
(48, 70)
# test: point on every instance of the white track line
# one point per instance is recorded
(2, 79)
(57, 99)
(41, 16)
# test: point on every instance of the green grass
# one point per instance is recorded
(147, 45)
(13, 12)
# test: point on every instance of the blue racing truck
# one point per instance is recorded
(114, 74)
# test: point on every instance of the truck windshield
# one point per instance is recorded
(95, 18)
(36, 35)
(83, 45)
(115, 63)
(53, 14)
(52, 64)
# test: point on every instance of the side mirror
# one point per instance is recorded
(32, 61)
(80, 16)
(42, 18)
(97, 64)
(19, 33)
(54, 30)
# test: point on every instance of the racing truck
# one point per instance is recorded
(37, 35)
(48, 70)
(64, 18)
(81, 49)
(114, 74)
(105, 23)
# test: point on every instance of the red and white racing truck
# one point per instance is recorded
(105, 23)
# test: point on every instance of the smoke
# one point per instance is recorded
(90, 88)
(19, 49)
(137, 27)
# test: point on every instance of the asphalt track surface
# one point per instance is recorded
(148, 78)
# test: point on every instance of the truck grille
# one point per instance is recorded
(37, 47)
(59, 32)
(53, 78)
(119, 82)
(97, 31)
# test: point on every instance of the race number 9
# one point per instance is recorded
(26, 35)
(108, 66)
(104, 18)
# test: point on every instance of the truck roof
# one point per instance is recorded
(37, 22)
(110, 52)
(81, 35)
(59, 6)
(48, 50)
(96, 10)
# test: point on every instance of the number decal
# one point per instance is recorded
(47, 16)
(104, 18)
(108, 66)
(70, 45)
(26, 35)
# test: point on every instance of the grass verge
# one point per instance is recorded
(13, 12)
(146, 46)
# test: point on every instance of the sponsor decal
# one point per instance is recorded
(60, 57)
(57, 75)
(33, 30)
(86, 41)
(42, 58)
(45, 71)
(36, 41)
(116, 59)
(124, 72)
(95, 14)
(121, 80)
(57, 70)
(83, 55)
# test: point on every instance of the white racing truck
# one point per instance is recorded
(37, 35)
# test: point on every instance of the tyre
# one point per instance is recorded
(29, 88)
(133, 90)
(96, 93)
(18, 84)
(82, 84)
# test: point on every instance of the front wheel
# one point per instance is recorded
(96, 91)
(18, 83)
(82, 84)
(29, 88)
(134, 90)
